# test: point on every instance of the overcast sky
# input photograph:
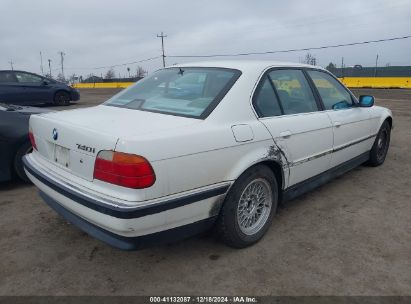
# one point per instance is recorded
(104, 33)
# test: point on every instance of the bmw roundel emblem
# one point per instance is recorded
(55, 134)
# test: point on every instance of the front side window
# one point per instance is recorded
(332, 93)
(28, 78)
(294, 91)
(191, 92)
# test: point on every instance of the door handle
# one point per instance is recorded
(337, 124)
(285, 134)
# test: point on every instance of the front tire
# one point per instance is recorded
(25, 149)
(380, 148)
(62, 98)
(249, 208)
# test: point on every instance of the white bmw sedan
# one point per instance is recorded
(199, 145)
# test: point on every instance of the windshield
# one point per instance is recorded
(189, 92)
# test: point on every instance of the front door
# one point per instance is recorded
(34, 90)
(287, 107)
(351, 124)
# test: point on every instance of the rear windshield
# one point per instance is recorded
(189, 92)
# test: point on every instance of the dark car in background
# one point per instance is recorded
(24, 88)
(14, 139)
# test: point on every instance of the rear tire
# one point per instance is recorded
(249, 208)
(25, 149)
(381, 144)
(62, 98)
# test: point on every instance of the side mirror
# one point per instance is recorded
(45, 82)
(366, 101)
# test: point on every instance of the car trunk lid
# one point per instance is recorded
(71, 140)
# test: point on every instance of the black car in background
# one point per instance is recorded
(24, 88)
(14, 139)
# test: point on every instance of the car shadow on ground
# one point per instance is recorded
(14, 184)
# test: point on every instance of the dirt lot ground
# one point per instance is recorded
(349, 237)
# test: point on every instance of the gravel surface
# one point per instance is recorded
(349, 237)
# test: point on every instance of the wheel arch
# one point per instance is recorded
(275, 165)
(278, 171)
(389, 119)
(383, 114)
(61, 90)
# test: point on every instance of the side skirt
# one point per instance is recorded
(322, 178)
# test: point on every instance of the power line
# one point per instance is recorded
(115, 65)
(291, 50)
(233, 55)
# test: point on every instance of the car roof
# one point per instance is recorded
(245, 65)
(19, 71)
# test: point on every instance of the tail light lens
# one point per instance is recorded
(32, 140)
(123, 169)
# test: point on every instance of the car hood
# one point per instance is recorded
(120, 122)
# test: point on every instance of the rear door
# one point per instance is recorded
(288, 108)
(351, 124)
(34, 90)
(9, 88)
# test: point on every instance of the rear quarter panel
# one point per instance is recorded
(203, 155)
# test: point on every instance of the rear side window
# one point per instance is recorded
(265, 102)
(333, 94)
(190, 92)
(7, 77)
(294, 91)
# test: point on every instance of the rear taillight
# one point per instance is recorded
(32, 140)
(123, 169)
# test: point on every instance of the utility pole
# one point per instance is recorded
(342, 67)
(41, 64)
(49, 60)
(11, 64)
(376, 65)
(162, 36)
(62, 54)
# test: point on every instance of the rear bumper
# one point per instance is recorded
(129, 243)
(133, 226)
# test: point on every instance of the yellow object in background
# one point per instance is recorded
(351, 82)
(377, 82)
(102, 85)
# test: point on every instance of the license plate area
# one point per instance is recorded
(61, 156)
